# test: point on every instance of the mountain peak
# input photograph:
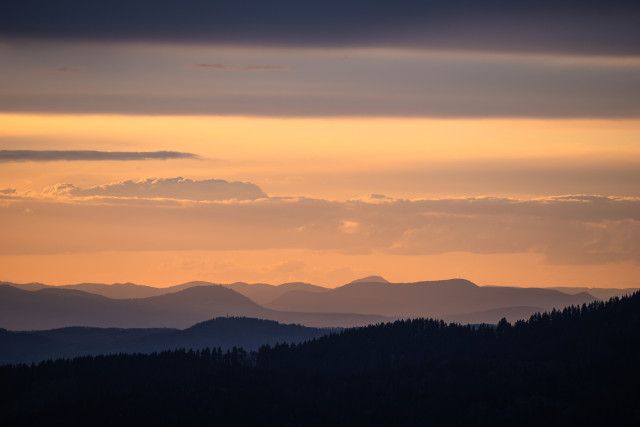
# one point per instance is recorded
(368, 279)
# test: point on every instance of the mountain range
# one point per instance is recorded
(445, 299)
(258, 292)
(36, 306)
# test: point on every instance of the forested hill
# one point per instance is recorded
(570, 367)
(224, 332)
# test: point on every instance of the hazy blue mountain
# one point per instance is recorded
(600, 293)
(223, 332)
(436, 299)
(50, 308)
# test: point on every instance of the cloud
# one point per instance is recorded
(170, 188)
(578, 230)
(539, 26)
(65, 69)
(81, 155)
(227, 67)
(9, 194)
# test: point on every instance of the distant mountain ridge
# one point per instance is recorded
(263, 293)
(369, 299)
(441, 299)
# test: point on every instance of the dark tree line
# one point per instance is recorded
(575, 366)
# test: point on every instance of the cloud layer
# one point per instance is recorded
(81, 155)
(576, 230)
(539, 26)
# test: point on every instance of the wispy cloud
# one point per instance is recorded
(84, 155)
(229, 67)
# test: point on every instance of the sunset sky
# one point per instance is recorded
(280, 141)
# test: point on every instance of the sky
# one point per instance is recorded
(320, 141)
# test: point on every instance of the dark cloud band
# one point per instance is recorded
(560, 107)
(586, 27)
(73, 155)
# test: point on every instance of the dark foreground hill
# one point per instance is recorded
(223, 332)
(51, 308)
(577, 366)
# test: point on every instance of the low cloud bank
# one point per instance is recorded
(85, 155)
(574, 229)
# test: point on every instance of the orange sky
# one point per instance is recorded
(60, 238)
(316, 156)
(328, 269)
(319, 164)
